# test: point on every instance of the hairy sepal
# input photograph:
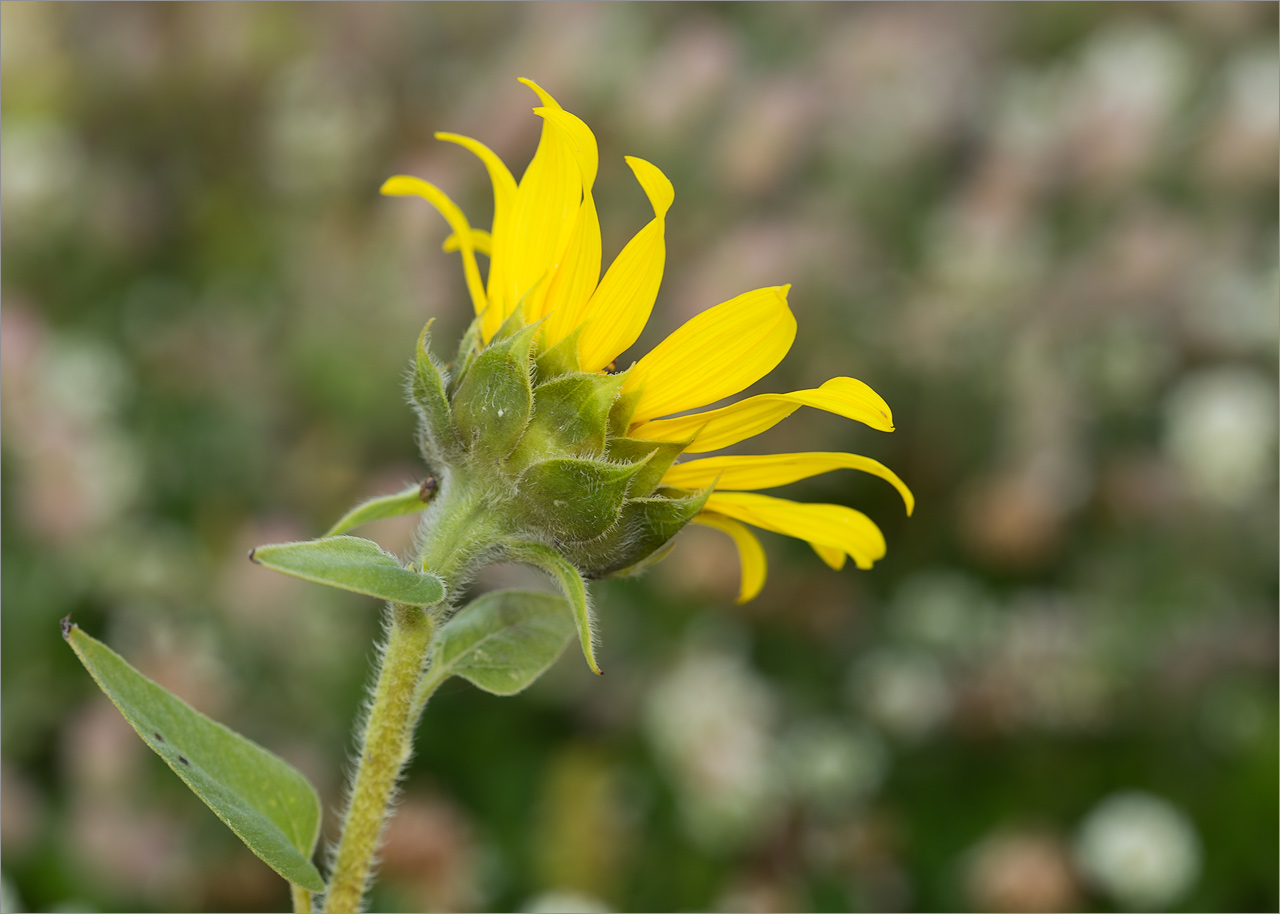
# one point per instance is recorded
(495, 399)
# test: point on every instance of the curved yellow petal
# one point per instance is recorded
(543, 212)
(504, 191)
(620, 305)
(736, 422)
(765, 471)
(578, 270)
(481, 240)
(714, 354)
(750, 553)
(833, 557)
(832, 526)
(405, 186)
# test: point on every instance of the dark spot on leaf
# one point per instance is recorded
(251, 558)
(183, 759)
(159, 738)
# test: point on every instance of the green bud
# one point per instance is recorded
(495, 398)
(570, 416)
(573, 499)
(562, 358)
(644, 526)
(661, 455)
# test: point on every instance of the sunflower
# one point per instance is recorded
(544, 265)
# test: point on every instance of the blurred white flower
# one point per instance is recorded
(1220, 431)
(564, 901)
(710, 722)
(1140, 849)
(905, 692)
(832, 765)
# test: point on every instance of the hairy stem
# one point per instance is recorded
(301, 899)
(385, 747)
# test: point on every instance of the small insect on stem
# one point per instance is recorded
(67, 625)
(428, 488)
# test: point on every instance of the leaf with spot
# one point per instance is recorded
(262, 798)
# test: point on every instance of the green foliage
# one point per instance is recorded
(575, 499)
(355, 564)
(427, 394)
(410, 501)
(493, 402)
(263, 799)
(502, 642)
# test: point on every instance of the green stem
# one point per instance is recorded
(301, 899)
(386, 744)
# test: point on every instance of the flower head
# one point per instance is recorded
(580, 460)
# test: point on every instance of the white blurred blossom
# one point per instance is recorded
(1139, 849)
(710, 721)
(832, 765)
(906, 692)
(1220, 431)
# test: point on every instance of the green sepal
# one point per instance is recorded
(501, 642)
(494, 400)
(623, 409)
(262, 798)
(664, 454)
(562, 358)
(645, 525)
(570, 416)
(427, 392)
(410, 501)
(352, 563)
(574, 499)
(548, 560)
(470, 346)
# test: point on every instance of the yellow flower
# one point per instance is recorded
(544, 257)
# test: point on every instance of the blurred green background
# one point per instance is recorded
(1046, 233)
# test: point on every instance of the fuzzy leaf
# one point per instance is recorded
(649, 478)
(503, 641)
(574, 499)
(352, 563)
(570, 416)
(493, 402)
(427, 391)
(409, 501)
(646, 525)
(268, 804)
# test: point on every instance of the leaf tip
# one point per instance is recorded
(67, 625)
(252, 553)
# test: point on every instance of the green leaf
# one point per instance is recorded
(410, 501)
(503, 641)
(546, 559)
(261, 797)
(352, 563)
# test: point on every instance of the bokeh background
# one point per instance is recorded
(1046, 233)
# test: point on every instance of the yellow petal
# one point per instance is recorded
(504, 192)
(620, 306)
(404, 186)
(833, 557)
(578, 271)
(542, 216)
(481, 240)
(736, 422)
(715, 354)
(832, 526)
(768, 470)
(750, 553)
